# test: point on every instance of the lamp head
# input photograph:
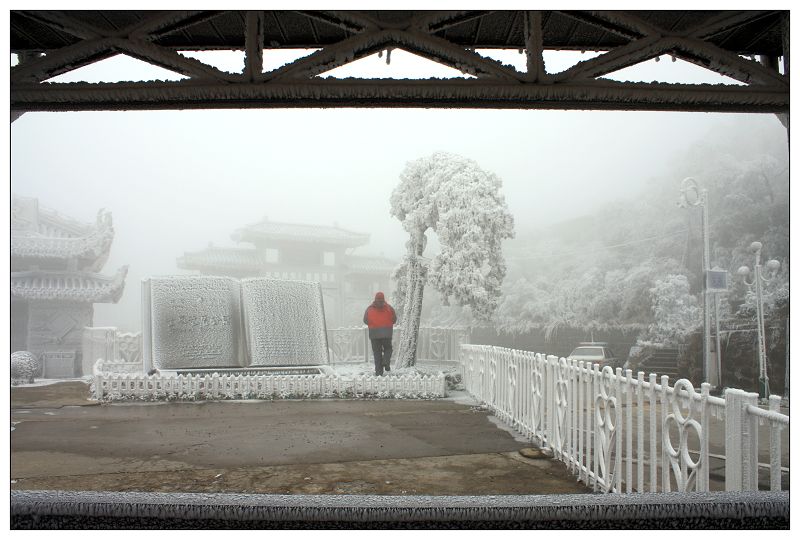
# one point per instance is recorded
(743, 271)
(690, 197)
(755, 247)
(773, 265)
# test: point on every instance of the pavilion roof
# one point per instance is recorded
(357, 264)
(295, 232)
(68, 286)
(41, 233)
(222, 258)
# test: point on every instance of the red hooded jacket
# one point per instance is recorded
(380, 318)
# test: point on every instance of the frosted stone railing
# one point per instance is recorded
(590, 419)
(120, 366)
(351, 344)
(119, 351)
(128, 386)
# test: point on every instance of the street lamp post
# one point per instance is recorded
(758, 279)
(693, 195)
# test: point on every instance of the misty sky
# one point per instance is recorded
(177, 180)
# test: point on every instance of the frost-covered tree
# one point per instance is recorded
(462, 204)
(675, 310)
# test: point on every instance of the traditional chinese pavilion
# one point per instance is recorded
(302, 252)
(55, 282)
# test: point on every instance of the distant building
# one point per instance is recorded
(303, 252)
(55, 283)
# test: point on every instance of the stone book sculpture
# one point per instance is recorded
(285, 322)
(204, 322)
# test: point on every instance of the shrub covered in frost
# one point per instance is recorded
(335, 394)
(24, 367)
(454, 381)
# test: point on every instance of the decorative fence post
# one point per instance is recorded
(703, 483)
(740, 456)
(653, 402)
(98, 385)
(775, 446)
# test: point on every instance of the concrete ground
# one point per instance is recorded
(63, 441)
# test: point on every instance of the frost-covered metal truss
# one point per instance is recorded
(742, 45)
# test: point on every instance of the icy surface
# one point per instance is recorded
(284, 322)
(234, 510)
(196, 322)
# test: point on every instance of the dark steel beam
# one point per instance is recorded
(617, 59)
(726, 63)
(347, 22)
(625, 25)
(60, 20)
(254, 45)
(436, 22)
(161, 24)
(725, 22)
(170, 60)
(533, 47)
(64, 60)
(447, 93)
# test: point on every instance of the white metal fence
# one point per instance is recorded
(620, 433)
(435, 344)
(136, 386)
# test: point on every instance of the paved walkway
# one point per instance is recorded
(60, 440)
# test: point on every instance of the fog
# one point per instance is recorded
(175, 181)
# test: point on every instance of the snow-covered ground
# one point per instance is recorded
(368, 368)
(46, 382)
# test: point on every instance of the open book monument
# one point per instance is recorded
(206, 322)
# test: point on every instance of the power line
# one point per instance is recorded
(604, 248)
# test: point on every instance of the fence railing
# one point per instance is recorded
(348, 345)
(122, 349)
(435, 344)
(113, 386)
(618, 433)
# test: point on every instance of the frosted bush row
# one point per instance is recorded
(265, 396)
(116, 387)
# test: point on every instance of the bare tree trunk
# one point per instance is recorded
(412, 310)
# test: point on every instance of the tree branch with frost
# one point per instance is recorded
(452, 196)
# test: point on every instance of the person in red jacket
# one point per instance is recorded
(380, 318)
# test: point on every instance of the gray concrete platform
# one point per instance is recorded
(60, 441)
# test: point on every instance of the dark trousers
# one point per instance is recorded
(382, 351)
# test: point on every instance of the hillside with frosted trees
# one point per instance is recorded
(635, 265)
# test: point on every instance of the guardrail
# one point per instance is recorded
(347, 344)
(589, 418)
(164, 387)
(122, 349)
(435, 344)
